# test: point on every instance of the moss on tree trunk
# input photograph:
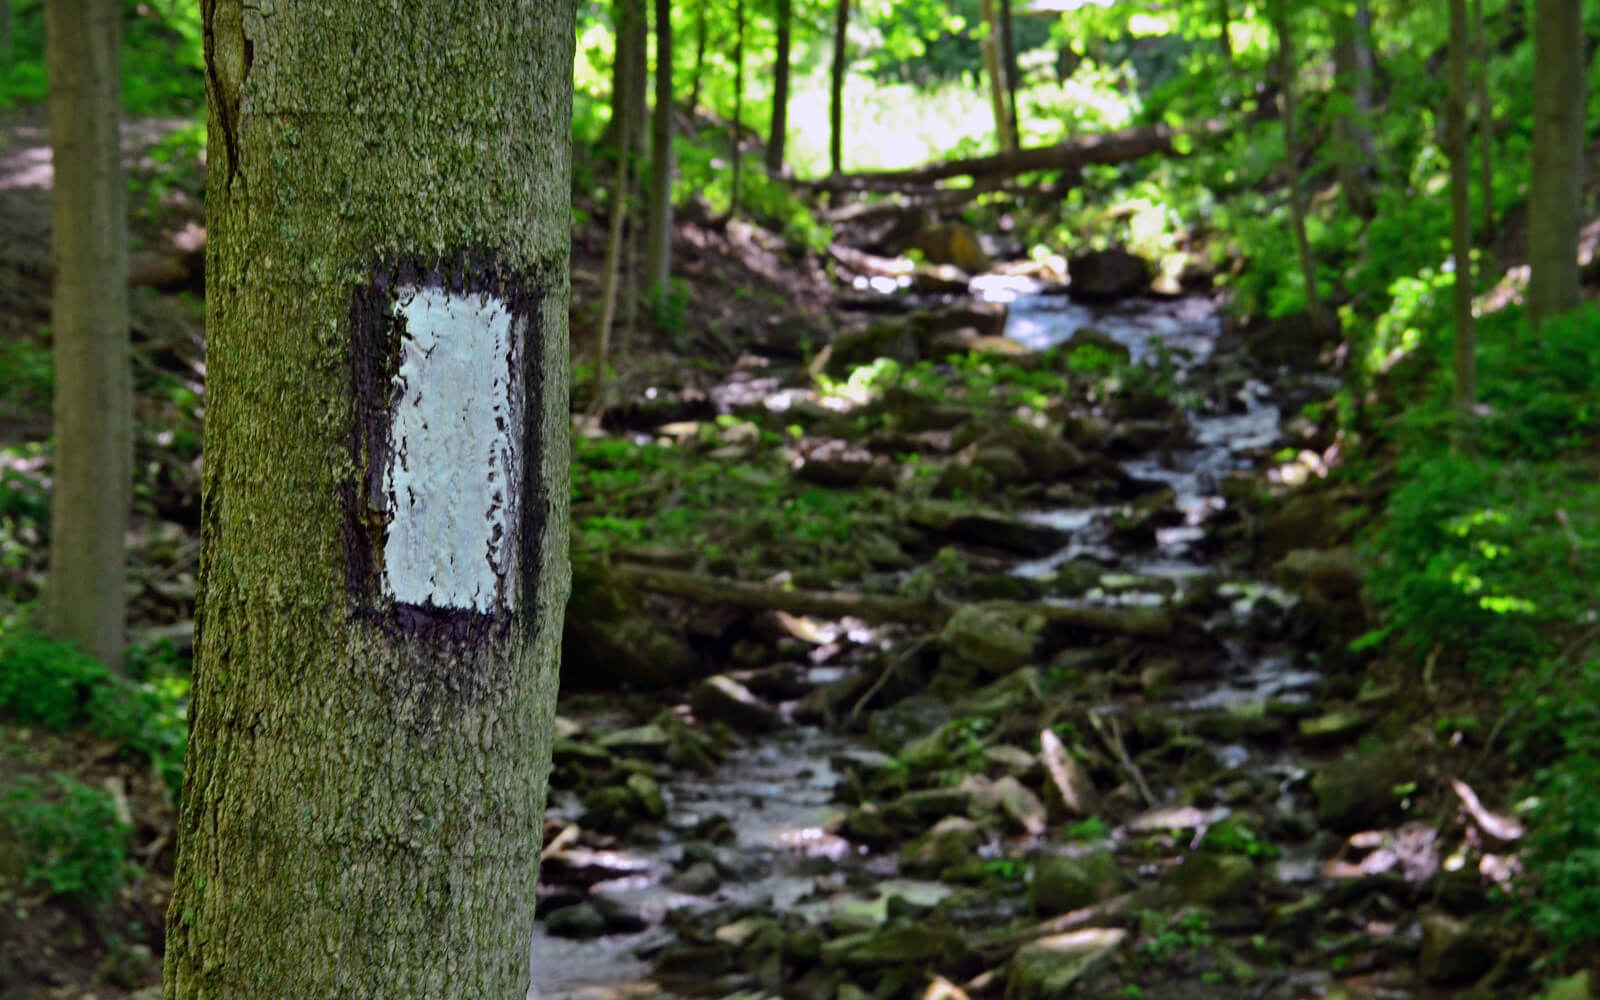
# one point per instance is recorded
(367, 767)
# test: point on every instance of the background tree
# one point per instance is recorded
(658, 241)
(1005, 132)
(1485, 122)
(1297, 212)
(381, 604)
(736, 142)
(1008, 54)
(629, 62)
(84, 601)
(1459, 144)
(1555, 190)
(841, 24)
(778, 133)
(1357, 154)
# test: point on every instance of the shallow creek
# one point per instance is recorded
(778, 794)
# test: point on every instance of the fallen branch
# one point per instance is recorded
(879, 608)
(1106, 147)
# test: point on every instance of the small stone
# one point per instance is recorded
(1205, 878)
(649, 794)
(1062, 883)
(699, 879)
(987, 640)
(722, 699)
(581, 921)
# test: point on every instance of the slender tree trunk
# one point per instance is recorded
(1008, 45)
(841, 22)
(778, 136)
(738, 105)
(699, 57)
(93, 479)
(1352, 58)
(613, 280)
(384, 532)
(1225, 30)
(1005, 135)
(1297, 210)
(5, 34)
(1460, 148)
(1485, 124)
(1554, 202)
(658, 242)
(628, 66)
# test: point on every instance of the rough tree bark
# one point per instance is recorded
(1458, 141)
(778, 136)
(658, 241)
(841, 23)
(1279, 13)
(384, 530)
(93, 479)
(1555, 191)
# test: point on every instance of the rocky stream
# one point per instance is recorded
(1162, 777)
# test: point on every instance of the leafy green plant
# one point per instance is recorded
(68, 837)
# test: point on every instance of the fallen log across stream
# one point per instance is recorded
(881, 608)
(1104, 147)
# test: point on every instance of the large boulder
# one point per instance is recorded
(1108, 274)
(1049, 967)
(723, 699)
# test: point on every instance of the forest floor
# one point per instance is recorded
(1019, 667)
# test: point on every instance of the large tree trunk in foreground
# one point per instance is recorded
(777, 136)
(1554, 197)
(841, 23)
(93, 479)
(384, 543)
(1459, 146)
(658, 241)
(1108, 147)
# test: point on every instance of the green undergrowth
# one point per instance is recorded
(1488, 557)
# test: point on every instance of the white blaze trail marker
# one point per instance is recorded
(453, 476)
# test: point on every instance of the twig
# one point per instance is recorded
(894, 664)
(1113, 741)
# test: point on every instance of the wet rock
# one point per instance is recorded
(1309, 519)
(1093, 336)
(915, 413)
(699, 879)
(987, 318)
(1004, 466)
(962, 522)
(939, 279)
(722, 699)
(582, 921)
(1001, 587)
(908, 721)
(950, 842)
(954, 244)
(867, 825)
(649, 741)
(1069, 792)
(1332, 727)
(1108, 274)
(987, 640)
(611, 808)
(917, 943)
(1062, 883)
(1020, 806)
(1076, 577)
(961, 477)
(1048, 968)
(1295, 340)
(1205, 878)
(895, 339)
(921, 807)
(648, 792)
(1045, 455)
(1010, 695)
(837, 464)
(1453, 951)
(1357, 792)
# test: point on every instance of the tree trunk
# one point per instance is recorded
(1008, 46)
(738, 105)
(628, 60)
(93, 479)
(384, 532)
(5, 34)
(1555, 193)
(836, 92)
(1225, 30)
(1297, 210)
(1485, 124)
(658, 242)
(1352, 56)
(1460, 151)
(1005, 135)
(777, 137)
(613, 278)
(699, 58)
